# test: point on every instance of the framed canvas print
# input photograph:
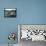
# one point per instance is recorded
(10, 12)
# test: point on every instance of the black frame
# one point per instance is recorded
(5, 15)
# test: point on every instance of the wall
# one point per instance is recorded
(28, 12)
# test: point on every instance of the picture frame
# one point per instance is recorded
(9, 12)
